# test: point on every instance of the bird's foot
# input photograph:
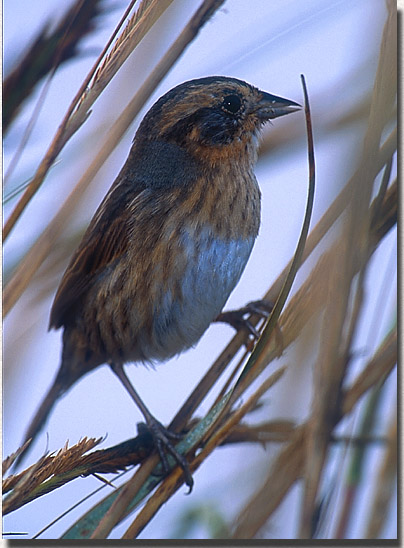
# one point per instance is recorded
(163, 441)
(240, 319)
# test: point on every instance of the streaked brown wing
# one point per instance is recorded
(105, 240)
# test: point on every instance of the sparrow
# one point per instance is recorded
(168, 243)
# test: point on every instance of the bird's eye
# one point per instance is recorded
(231, 103)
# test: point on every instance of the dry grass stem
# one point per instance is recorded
(75, 117)
(31, 483)
(335, 211)
(148, 12)
(376, 370)
(271, 431)
(119, 507)
(288, 467)
(174, 481)
(44, 57)
(125, 502)
(208, 381)
(353, 248)
(9, 461)
(386, 485)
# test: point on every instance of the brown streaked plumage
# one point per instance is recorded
(169, 241)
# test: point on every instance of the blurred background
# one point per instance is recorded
(336, 45)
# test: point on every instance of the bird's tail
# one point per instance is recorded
(38, 422)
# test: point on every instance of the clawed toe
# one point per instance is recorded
(261, 308)
(238, 319)
(163, 438)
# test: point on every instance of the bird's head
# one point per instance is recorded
(212, 112)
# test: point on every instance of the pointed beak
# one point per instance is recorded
(271, 106)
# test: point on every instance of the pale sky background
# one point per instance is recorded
(335, 44)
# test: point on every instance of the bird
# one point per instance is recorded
(169, 241)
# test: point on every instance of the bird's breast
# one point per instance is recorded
(206, 242)
(210, 268)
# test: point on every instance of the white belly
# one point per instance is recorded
(213, 269)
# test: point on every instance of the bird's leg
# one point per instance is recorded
(161, 436)
(238, 319)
